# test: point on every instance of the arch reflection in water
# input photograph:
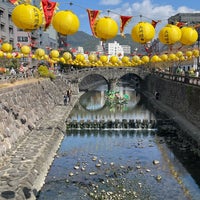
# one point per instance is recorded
(92, 106)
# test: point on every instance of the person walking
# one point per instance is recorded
(65, 100)
(69, 92)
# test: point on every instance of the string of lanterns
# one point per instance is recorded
(29, 18)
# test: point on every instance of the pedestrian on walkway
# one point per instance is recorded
(65, 100)
(69, 93)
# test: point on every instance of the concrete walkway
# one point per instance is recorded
(26, 166)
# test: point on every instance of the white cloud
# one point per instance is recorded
(110, 2)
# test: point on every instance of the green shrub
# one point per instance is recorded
(44, 72)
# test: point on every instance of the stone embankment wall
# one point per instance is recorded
(181, 100)
(23, 106)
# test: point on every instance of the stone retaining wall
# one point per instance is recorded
(32, 128)
(181, 99)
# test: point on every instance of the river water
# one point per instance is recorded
(121, 164)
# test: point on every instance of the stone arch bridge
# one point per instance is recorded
(109, 74)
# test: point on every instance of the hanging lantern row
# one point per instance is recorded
(104, 60)
(25, 51)
(28, 18)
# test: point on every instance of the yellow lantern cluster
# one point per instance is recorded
(1, 54)
(106, 28)
(92, 58)
(143, 32)
(67, 56)
(25, 49)
(54, 54)
(39, 53)
(6, 47)
(114, 60)
(66, 22)
(27, 17)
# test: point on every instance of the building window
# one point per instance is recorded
(2, 27)
(22, 39)
(10, 30)
(1, 13)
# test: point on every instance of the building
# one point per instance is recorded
(39, 38)
(7, 29)
(189, 18)
(114, 49)
(100, 48)
(126, 49)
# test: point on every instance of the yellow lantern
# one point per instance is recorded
(62, 60)
(169, 34)
(80, 57)
(143, 32)
(25, 49)
(6, 47)
(106, 28)
(179, 54)
(155, 58)
(164, 57)
(195, 53)
(104, 59)
(114, 59)
(172, 57)
(1, 54)
(92, 58)
(39, 52)
(188, 53)
(182, 58)
(189, 35)
(135, 58)
(67, 56)
(27, 17)
(54, 54)
(9, 55)
(125, 59)
(66, 22)
(145, 59)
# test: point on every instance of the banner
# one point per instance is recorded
(48, 8)
(15, 2)
(154, 23)
(180, 24)
(93, 15)
(124, 21)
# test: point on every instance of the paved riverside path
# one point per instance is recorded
(24, 170)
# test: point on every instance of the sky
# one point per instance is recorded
(141, 10)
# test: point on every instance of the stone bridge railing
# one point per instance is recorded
(107, 72)
(10, 78)
(179, 78)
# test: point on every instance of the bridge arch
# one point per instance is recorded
(107, 74)
(92, 80)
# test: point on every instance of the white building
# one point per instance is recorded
(114, 49)
(127, 49)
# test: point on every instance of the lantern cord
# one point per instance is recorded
(71, 4)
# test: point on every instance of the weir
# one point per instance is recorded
(123, 124)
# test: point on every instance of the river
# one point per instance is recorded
(121, 164)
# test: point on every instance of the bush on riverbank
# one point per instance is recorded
(44, 72)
